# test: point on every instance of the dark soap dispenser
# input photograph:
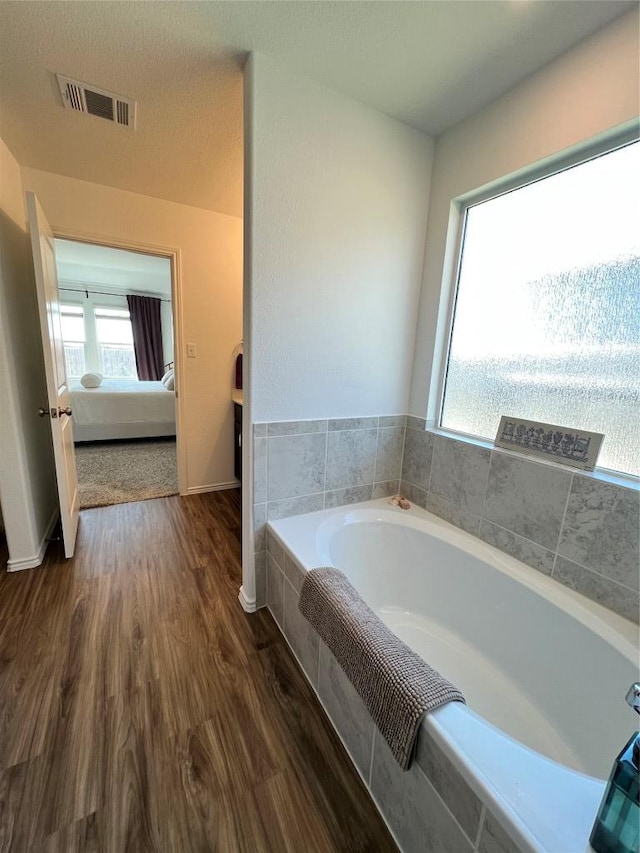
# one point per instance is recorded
(617, 826)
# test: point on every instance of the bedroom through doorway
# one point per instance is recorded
(117, 318)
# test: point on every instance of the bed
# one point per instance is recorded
(122, 408)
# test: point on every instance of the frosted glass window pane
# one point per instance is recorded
(113, 312)
(113, 326)
(547, 319)
(115, 343)
(72, 323)
(74, 359)
(118, 361)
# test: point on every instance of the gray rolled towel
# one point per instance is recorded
(397, 685)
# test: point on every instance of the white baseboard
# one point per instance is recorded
(215, 487)
(247, 605)
(34, 561)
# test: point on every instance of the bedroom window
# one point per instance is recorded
(74, 338)
(546, 323)
(115, 343)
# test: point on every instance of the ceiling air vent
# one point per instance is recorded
(97, 102)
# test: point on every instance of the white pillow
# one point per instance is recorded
(91, 380)
(170, 383)
(167, 376)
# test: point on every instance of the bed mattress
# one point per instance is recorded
(122, 408)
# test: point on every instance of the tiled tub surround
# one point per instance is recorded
(574, 527)
(430, 807)
(467, 778)
(303, 466)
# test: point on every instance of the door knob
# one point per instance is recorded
(66, 411)
(42, 412)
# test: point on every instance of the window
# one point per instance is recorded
(73, 336)
(115, 343)
(99, 339)
(547, 313)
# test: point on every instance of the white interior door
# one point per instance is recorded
(59, 408)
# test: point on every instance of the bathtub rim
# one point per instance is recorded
(612, 628)
(519, 806)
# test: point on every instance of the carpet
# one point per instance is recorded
(117, 472)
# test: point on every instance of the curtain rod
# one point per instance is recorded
(103, 293)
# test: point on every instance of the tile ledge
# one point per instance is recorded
(601, 475)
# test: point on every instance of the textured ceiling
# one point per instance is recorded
(188, 143)
(429, 63)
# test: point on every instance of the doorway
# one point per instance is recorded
(117, 312)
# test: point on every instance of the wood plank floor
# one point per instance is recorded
(142, 710)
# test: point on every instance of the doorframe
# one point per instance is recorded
(174, 256)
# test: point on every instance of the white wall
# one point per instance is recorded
(27, 480)
(336, 202)
(587, 91)
(210, 246)
(338, 207)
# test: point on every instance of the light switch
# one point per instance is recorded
(191, 350)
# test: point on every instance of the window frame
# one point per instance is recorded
(604, 143)
(108, 302)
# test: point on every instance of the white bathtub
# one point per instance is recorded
(543, 670)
